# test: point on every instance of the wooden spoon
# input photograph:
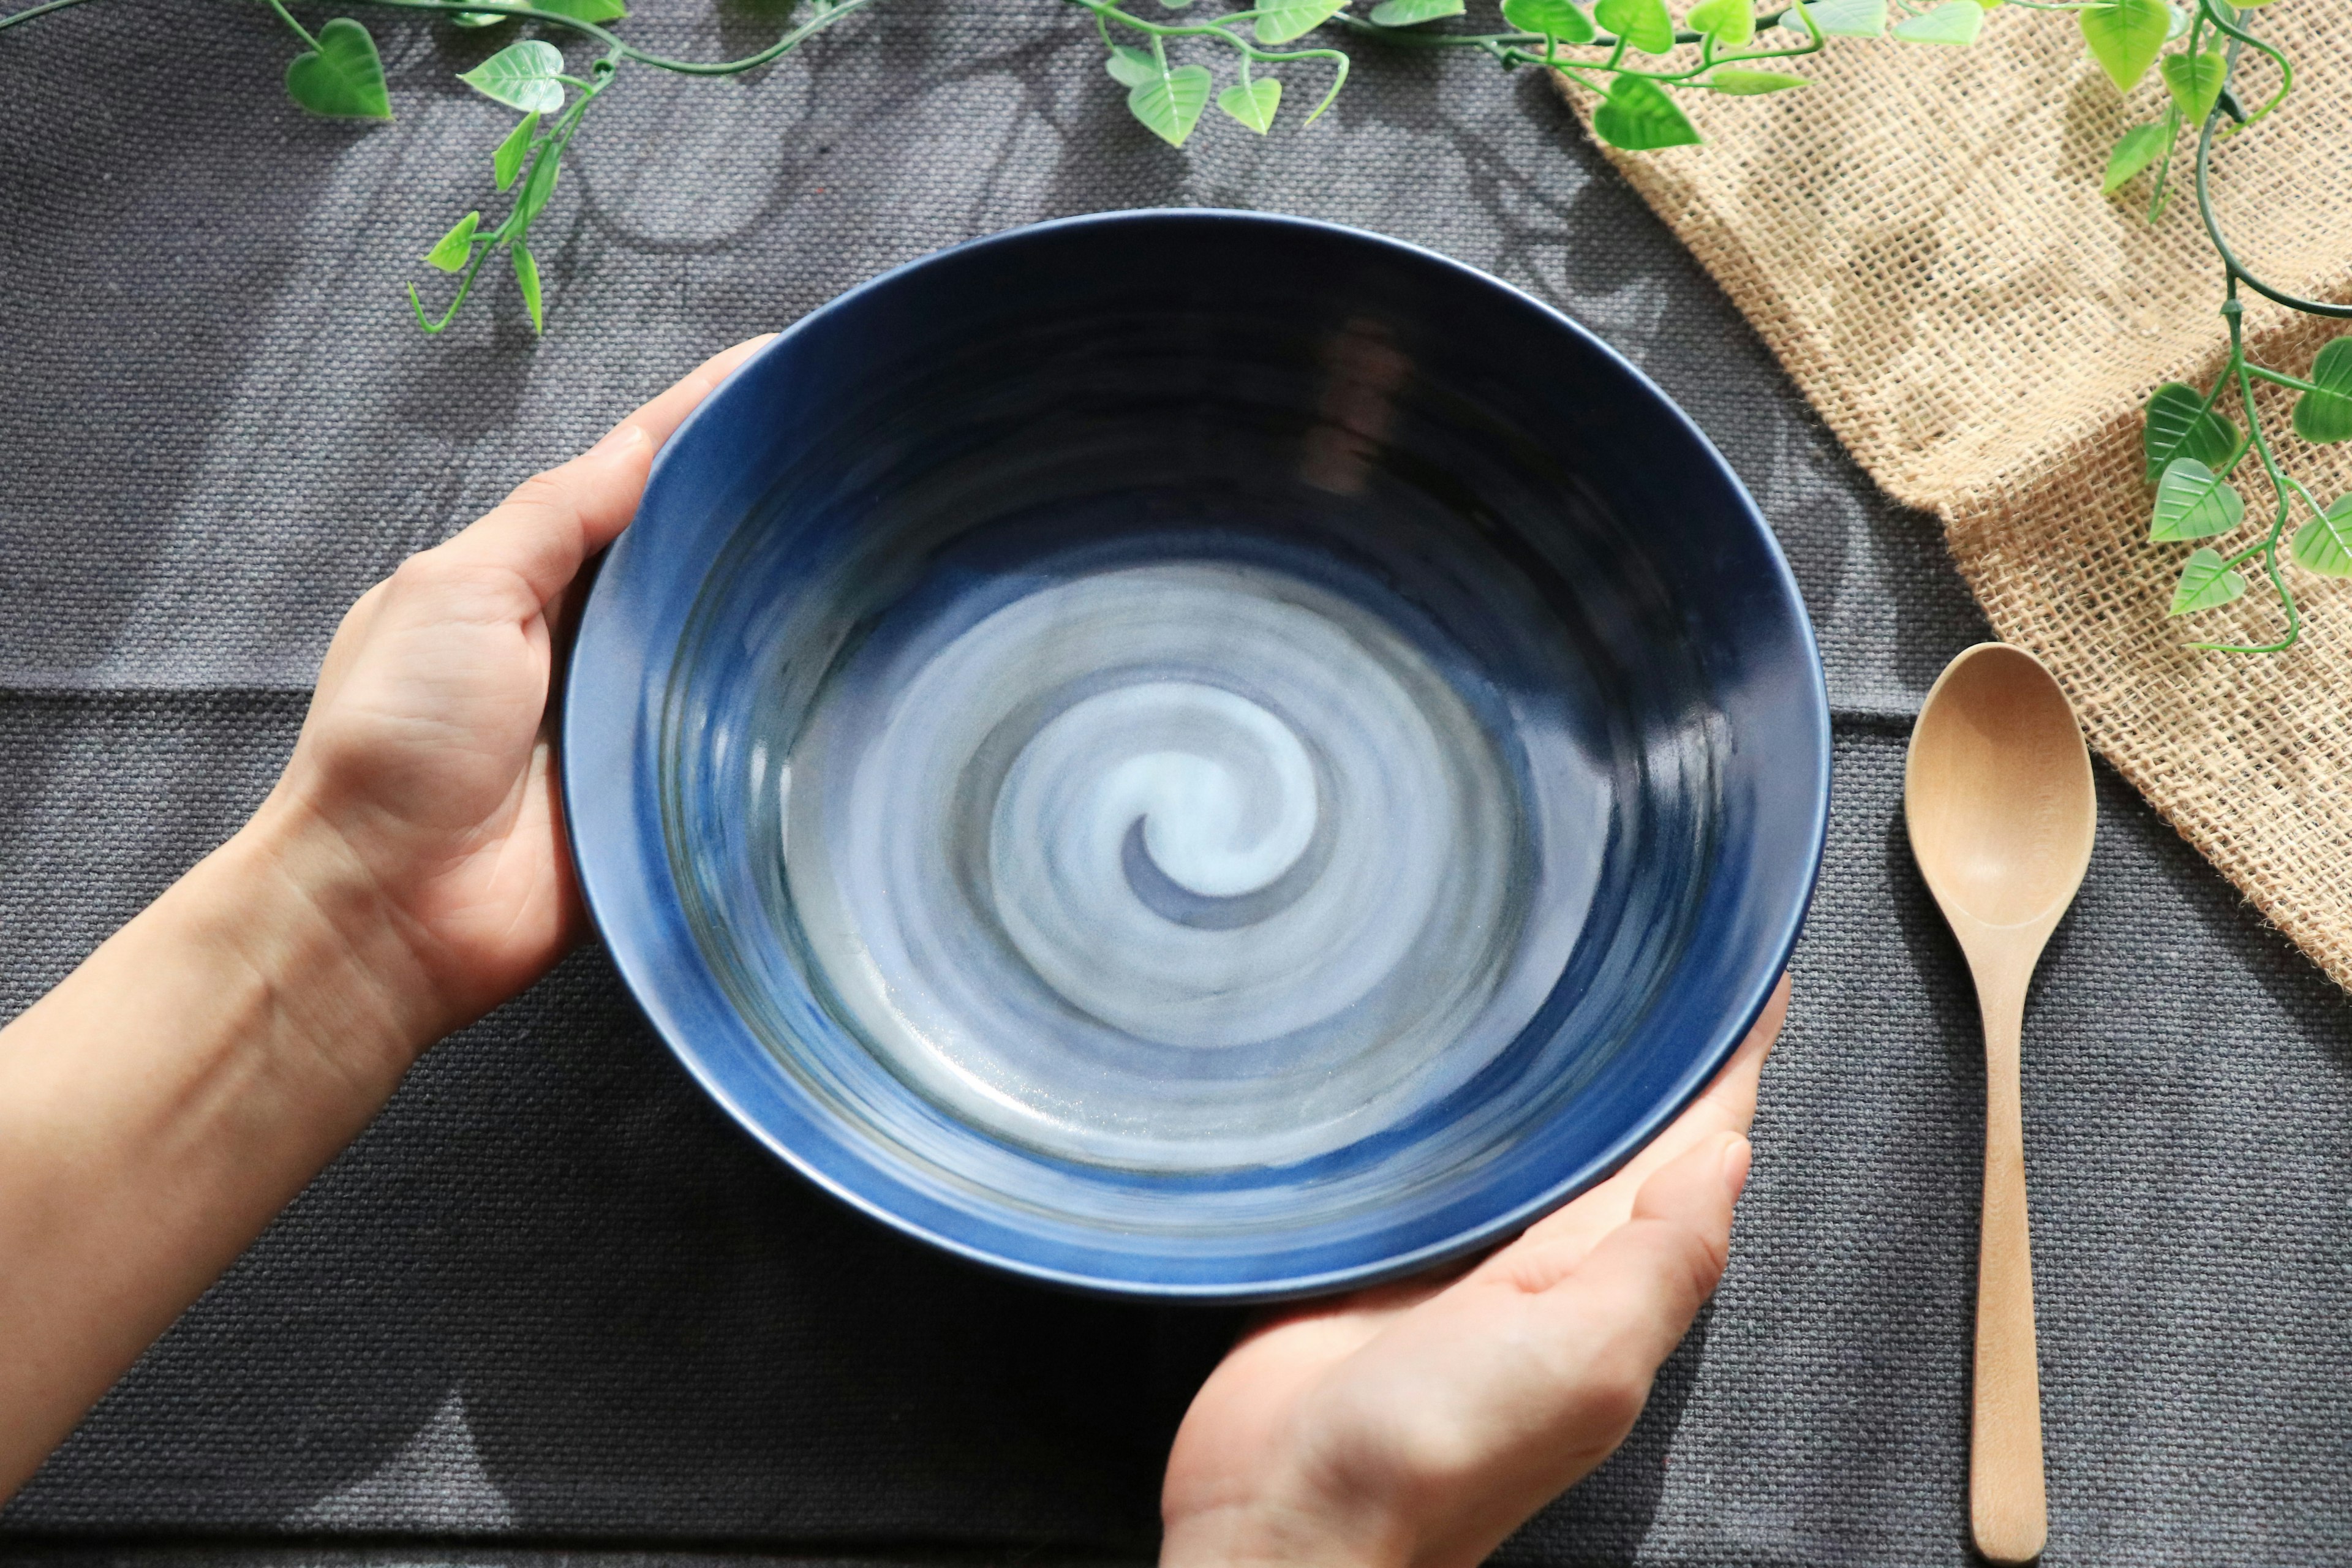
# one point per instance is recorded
(1997, 795)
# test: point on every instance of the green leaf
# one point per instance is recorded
(455, 248)
(583, 10)
(1561, 19)
(2324, 543)
(2205, 583)
(2139, 146)
(1729, 22)
(1170, 101)
(2326, 415)
(2194, 502)
(1639, 117)
(1644, 24)
(1409, 13)
(522, 76)
(1279, 21)
(1746, 83)
(342, 78)
(536, 187)
(1130, 68)
(1954, 22)
(481, 18)
(507, 162)
(527, 275)
(1841, 18)
(1253, 102)
(2195, 82)
(2124, 36)
(2179, 425)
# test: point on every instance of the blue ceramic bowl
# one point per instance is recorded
(1196, 754)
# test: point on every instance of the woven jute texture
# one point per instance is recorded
(1920, 237)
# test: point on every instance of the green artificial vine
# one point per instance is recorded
(1632, 53)
(2192, 446)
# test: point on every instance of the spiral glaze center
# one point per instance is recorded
(1223, 848)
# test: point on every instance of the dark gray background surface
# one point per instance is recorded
(552, 1300)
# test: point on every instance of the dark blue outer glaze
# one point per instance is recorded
(1686, 576)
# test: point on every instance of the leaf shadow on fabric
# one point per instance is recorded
(116, 326)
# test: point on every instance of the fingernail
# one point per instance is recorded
(1737, 1155)
(618, 438)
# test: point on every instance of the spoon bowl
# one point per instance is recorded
(1998, 792)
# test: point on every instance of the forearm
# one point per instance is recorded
(165, 1100)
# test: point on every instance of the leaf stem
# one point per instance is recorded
(2267, 546)
(482, 252)
(791, 40)
(2281, 379)
(2236, 268)
(1417, 38)
(548, 150)
(1505, 49)
(26, 15)
(287, 16)
(2164, 170)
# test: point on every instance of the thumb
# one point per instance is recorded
(554, 521)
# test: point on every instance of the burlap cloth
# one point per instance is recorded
(1921, 240)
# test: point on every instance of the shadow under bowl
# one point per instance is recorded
(1196, 754)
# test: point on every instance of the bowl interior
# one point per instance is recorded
(1195, 754)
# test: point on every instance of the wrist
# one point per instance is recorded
(1266, 1535)
(300, 914)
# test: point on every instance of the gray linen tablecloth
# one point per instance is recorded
(552, 1298)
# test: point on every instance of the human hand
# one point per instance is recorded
(423, 790)
(1422, 1422)
(407, 874)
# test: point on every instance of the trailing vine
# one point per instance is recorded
(1633, 54)
(2192, 448)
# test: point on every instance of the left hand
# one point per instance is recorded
(1421, 1423)
(408, 873)
(427, 766)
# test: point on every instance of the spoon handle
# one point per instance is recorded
(2008, 1508)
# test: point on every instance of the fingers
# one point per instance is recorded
(1735, 1087)
(1336, 1325)
(1631, 1299)
(1695, 1196)
(659, 418)
(1728, 1105)
(555, 520)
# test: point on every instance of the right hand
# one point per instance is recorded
(1421, 1423)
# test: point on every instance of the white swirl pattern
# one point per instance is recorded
(1182, 867)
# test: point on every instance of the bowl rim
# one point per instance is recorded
(625, 920)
